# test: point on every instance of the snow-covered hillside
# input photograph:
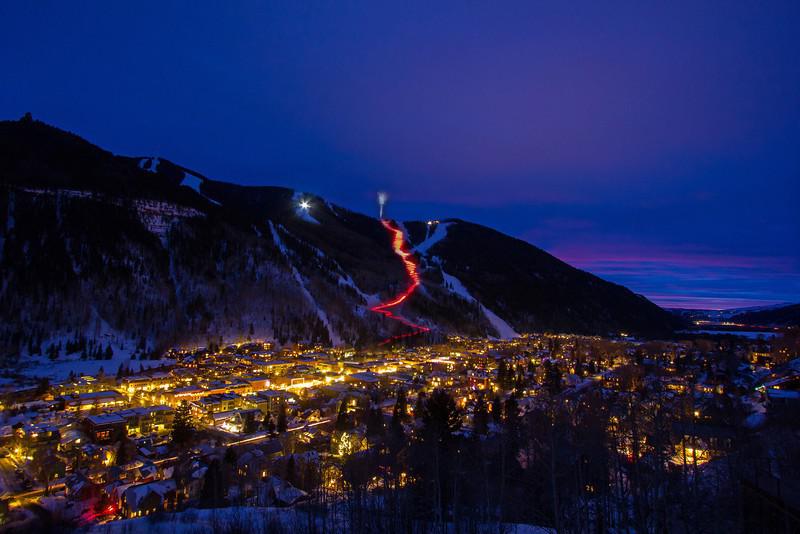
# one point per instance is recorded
(504, 330)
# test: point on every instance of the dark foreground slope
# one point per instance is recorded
(98, 245)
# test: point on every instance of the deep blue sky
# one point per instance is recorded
(655, 145)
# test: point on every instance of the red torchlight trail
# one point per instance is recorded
(398, 244)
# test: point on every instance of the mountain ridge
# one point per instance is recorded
(166, 255)
(786, 315)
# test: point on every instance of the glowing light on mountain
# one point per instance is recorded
(412, 270)
(382, 198)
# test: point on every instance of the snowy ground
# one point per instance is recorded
(758, 412)
(335, 339)
(149, 164)
(43, 367)
(503, 328)
(439, 233)
(241, 519)
(193, 182)
(124, 350)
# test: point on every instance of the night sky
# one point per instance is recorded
(657, 146)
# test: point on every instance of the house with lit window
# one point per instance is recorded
(144, 499)
(272, 367)
(220, 402)
(105, 428)
(147, 420)
(36, 436)
(176, 396)
(253, 464)
(269, 401)
(363, 380)
(257, 383)
(96, 400)
(76, 386)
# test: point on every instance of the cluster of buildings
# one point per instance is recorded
(96, 448)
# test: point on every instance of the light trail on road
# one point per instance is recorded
(398, 245)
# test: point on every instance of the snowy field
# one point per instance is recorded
(246, 519)
(124, 352)
(43, 367)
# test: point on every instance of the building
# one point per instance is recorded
(269, 401)
(220, 402)
(148, 420)
(36, 436)
(145, 499)
(97, 400)
(364, 379)
(105, 428)
(272, 367)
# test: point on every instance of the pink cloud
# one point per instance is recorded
(608, 255)
(687, 277)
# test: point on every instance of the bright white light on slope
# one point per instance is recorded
(305, 205)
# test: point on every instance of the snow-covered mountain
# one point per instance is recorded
(155, 254)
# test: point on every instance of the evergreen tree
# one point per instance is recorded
(250, 424)
(419, 407)
(400, 412)
(497, 410)
(397, 434)
(552, 378)
(126, 451)
(480, 417)
(182, 427)
(290, 471)
(441, 416)
(342, 418)
(43, 386)
(375, 425)
(230, 457)
(511, 413)
(283, 424)
(502, 370)
(519, 384)
(212, 494)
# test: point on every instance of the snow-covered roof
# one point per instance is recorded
(106, 419)
(134, 494)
